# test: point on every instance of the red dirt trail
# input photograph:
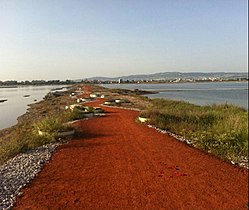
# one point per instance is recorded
(120, 164)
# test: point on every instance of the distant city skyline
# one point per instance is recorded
(63, 39)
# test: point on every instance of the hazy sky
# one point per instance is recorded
(71, 39)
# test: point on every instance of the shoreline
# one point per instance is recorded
(27, 105)
(36, 111)
(231, 94)
(174, 83)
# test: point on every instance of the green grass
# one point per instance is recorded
(26, 137)
(77, 113)
(219, 129)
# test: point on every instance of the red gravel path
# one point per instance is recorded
(119, 164)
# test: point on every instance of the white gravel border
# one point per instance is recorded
(19, 171)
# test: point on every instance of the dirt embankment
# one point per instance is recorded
(120, 164)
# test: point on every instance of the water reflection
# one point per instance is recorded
(17, 104)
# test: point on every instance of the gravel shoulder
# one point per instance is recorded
(19, 171)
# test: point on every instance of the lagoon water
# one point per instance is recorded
(204, 93)
(17, 104)
(197, 93)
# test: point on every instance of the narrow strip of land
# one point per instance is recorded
(120, 164)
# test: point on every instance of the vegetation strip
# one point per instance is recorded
(221, 130)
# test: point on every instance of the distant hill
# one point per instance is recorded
(175, 75)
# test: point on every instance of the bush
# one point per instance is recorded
(49, 125)
(74, 115)
(90, 109)
(27, 137)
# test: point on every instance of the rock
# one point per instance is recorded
(19, 171)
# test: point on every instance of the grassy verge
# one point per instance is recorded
(27, 137)
(219, 129)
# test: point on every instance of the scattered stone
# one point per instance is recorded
(19, 171)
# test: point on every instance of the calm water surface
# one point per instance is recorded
(17, 104)
(205, 93)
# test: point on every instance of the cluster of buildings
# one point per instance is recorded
(176, 80)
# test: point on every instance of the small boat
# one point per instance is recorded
(26, 96)
(3, 100)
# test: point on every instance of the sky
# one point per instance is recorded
(75, 39)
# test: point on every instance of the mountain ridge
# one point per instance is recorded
(174, 75)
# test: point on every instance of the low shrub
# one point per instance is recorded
(75, 114)
(49, 125)
(219, 129)
(90, 109)
(27, 137)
